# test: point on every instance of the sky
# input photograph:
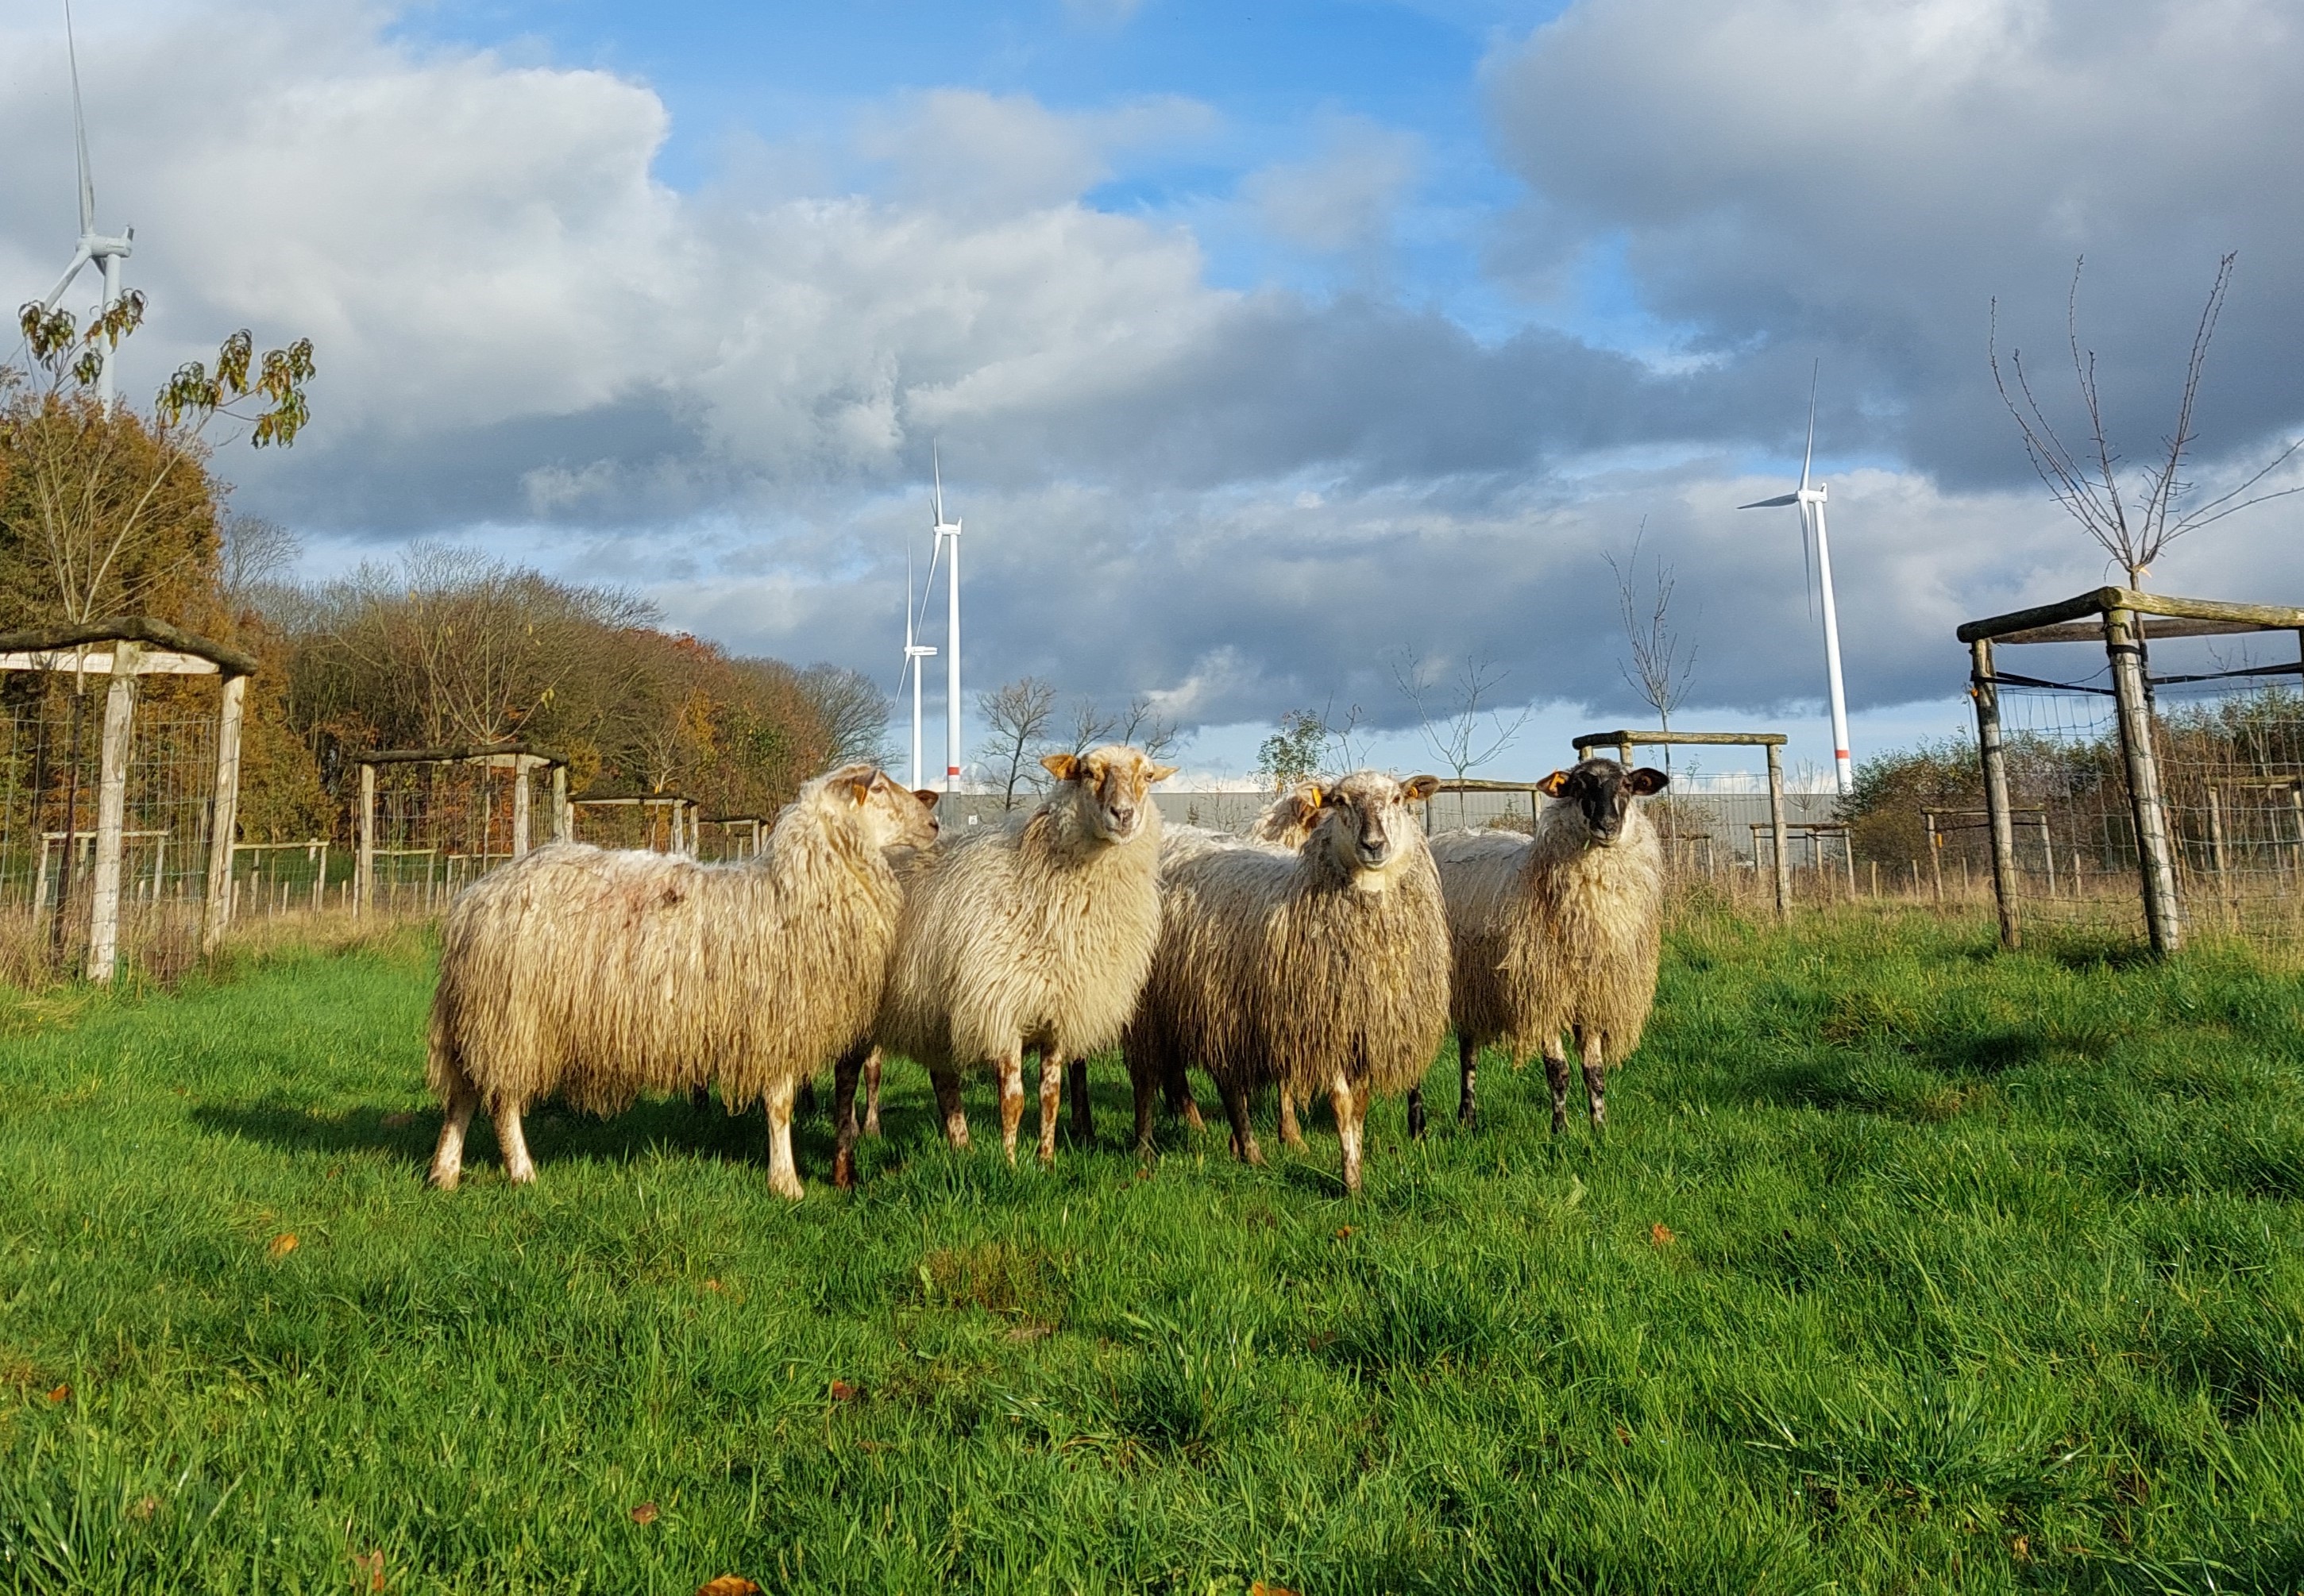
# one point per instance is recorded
(1270, 352)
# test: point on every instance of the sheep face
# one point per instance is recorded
(1111, 788)
(1365, 823)
(1291, 817)
(884, 811)
(1602, 791)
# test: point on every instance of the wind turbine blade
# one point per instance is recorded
(1807, 569)
(935, 464)
(1777, 502)
(1810, 454)
(79, 133)
(81, 257)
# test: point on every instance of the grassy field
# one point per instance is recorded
(1903, 1264)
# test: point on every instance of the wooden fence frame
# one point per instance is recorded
(1625, 741)
(520, 758)
(124, 648)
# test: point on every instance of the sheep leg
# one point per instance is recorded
(1595, 1076)
(1243, 1138)
(1290, 1136)
(1011, 1100)
(512, 1146)
(872, 1093)
(1347, 1131)
(804, 1099)
(448, 1157)
(784, 1175)
(1052, 1098)
(947, 1096)
(844, 1073)
(1556, 1074)
(1468, 1071)
(1146, 1087)
(1179, 1091)
(1416, 1113)
(1083, 1112)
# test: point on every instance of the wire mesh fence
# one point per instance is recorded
(439, 826)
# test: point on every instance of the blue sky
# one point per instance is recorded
(1266, 347)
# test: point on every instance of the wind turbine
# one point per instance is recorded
(104, 251)
(916, 654)
(944, 529)
(1810, 500)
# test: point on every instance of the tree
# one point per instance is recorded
(1662, 661)
(853, 710)
(254, 555)
(1141, 725)
(109, 511)
(1292, 753)
(1017, 717)
(1457, 713)
(2133, 516)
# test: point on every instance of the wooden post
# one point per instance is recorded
(2155, 865)
(561, 831)
(1847, 858)
(519, 800)
(364, 861)
(2217, 841)
(1777, 829)
(111, 812)
(224, 814)
(2049, 852)
(1985, 691)
(1935, 854)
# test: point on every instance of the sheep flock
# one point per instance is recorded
(1327, 955)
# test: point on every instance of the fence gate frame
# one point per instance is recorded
(2127, 620)
(1624, 742)
(123, 647)
(520, 758)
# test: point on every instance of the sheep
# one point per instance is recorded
(602, 975)
(1035, 937)
(1325, 969)
(1558, 930)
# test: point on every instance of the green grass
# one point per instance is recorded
(1975, 1272)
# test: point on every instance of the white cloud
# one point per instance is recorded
(1344, 196)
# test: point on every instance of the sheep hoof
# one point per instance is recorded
(843, 1171)
(786, 1186)
(1415, 1117)
(1468, 1116)
(443, 1180)
(872, 1125)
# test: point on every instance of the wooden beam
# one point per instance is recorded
(1658, 740)
(364, 861)
(224, 814)
(111, 814)
(98, 662)
(2033, 624)
(158, 635)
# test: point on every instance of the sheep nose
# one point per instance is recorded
(1122, 818)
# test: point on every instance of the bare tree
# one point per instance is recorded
(1458, 713)
(256, 554)
(1663, 663)
(1017, 716)
(853, 709)
(1347, 742)
(2133, 519)
(1091, 727)
(1142, 725)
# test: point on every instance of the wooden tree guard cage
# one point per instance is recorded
(1624, 742)
(2126, 620)
(681, 813)
(519, 758)
(125, 648)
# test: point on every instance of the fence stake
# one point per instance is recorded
(224, 816)
(559, 817)
(111, 813)
(2049, 852)
(2164, 917)
(520, 801)
(364, 862)
(1935, 854)
(1776, 827)
(2216, 841)
(1987, 694)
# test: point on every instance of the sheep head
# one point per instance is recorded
(1602, 792)
(1365, 825)
(888, 815)
(1109, 789)
(1289, 819)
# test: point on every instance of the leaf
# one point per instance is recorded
(63, 1393)
(728, 1584)
(713, 1284)
(1343, 1233)
(1260, 1589)
(646, 1512)
(1623, 1436)
(371, 1563)
(842, 1391)
(146, 1506)
(281, 1245)
(1660, 1235)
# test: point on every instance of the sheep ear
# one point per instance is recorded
(1553, 784)
(1310, 796)
(1419, 787)
(862, 786)
(928, 796)
(1063, 767)
(1648, 779)
(1159, 772)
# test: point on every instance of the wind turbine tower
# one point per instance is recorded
(916, 658)
(1810, 500)
(944, 529)
(104, 251)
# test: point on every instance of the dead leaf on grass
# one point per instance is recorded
(842, 1391)
(1343, 1233)
(1660, 1235)
(644, 1513)
(281, 1245)
(1623, 1436)
(369, 1565)
(1260, 1589)
(2022, 1548)
(728, 1584)
(63, 1393)
(144, 1508)
(1031, 1332)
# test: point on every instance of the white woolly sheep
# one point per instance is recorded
(1558, 930)
(1323, 970)
(1035, 937)
(602, 974)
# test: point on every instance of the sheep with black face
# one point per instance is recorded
(1558, 932)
